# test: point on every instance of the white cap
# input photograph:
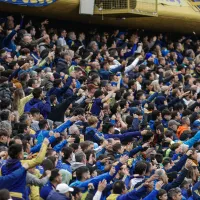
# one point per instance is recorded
(64, 188)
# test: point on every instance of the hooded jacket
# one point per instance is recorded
(44, 107)
(62, 66)
(57, 112)
(18, 190)
(5, 91)
(56, 195)
(180, 130)
(12, 179)
(134, 194)
(8, 42)
(76, 165)
(93, 135)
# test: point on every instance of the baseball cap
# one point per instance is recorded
(148, 55)
(6, 49)
(196, 124)
(121, 33)
(165, 52)
(173, 122)
(63, 188)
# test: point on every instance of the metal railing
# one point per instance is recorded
(142, 7)
(195, 4)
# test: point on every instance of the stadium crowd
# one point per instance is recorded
(98, 116)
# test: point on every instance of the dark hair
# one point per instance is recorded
(80, 171)
(174, 114)
(76, 191)
(4, 132)
(160, 193)
(14, 150)
(166, 161)
(42, 123)
(53, 160)
(4, 194)
(155, 114)
(126, 95)
(5, 103)
(107, 127)
(159, 157)
(47, 164)
(37, 92)
(118, 187)
(131, 83)
(74, 146)
(88, 153)
(30, 82)
(4, 115)
(98, 93)
(147, 136)
(49, 152)
(23, 118)
(22, 127)
(57, 82)
(67, 151)
(129, 120)
(140, 167)
(54, 174)
(52, 98)
(165, 112)
(117, 147)
(78, 111)
(34, 111)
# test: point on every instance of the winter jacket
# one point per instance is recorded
(66, 166)
(76, 165)
(46, 189)
(62, 66)
(95, 180)
(178, 166)
(180, 130)
(194, 139)
(18, 190)
(44, 46)
(33, 180)
(8, 42)
(57, 112)
(22, 103)
(93, 135)
(5, 91)
(180, 57)
(134, 194)
(60, 91)
(44, 107)
(45, 134)
(105, 75)
(47, 84)
(56, 195)
(122, 137)
(136, 124)
(195, 192)
(177, 182)
(12, 179)
(152, 195)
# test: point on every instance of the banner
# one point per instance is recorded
(173, 2)
(32, 3)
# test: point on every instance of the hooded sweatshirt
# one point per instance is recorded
(56, 195)
(44, 107)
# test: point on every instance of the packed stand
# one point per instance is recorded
(110, 116)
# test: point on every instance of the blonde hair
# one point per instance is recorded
(156, 86)
(92, 120)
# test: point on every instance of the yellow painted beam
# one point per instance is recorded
(195, 3)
